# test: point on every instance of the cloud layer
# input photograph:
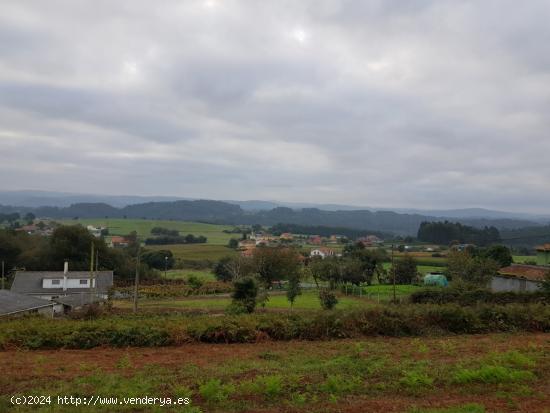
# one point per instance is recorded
(384, 103)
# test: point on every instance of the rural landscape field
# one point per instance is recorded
(231, 206)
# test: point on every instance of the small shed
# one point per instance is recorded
(75, 302)
(15, 304)
(436, 279)
(519, 278)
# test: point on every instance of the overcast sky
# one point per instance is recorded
(417, 103)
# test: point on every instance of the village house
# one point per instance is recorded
(96, 231)
(51, 285)
(369, 240)
(287, 236)
(15, 304)
(519, 278)
(315, 240)
(118, 242)
(322, 252)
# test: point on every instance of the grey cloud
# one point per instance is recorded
(421, 103)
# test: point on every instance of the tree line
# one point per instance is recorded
(447, 232)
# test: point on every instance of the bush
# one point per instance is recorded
(214, 391)
(476, 296)
(245, 293)
(328, 299)
(153, 331)
(492, 374)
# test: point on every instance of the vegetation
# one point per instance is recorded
(328, 299)
(500, 372)
(405, 320)
(405, 270)
(447, 232)
(245, 293)
(72, 243)
(473, 297)
(176, 239)
(474, 270)
(159, 259)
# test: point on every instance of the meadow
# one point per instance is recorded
(214, 233)
(309, 300)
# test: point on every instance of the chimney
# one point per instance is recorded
(65, 272)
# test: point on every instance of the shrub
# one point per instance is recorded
(214, 391)
(336, 384)
(195, 282)
(476, 296)
(245, 293)
(415, 380)
(270, 386)
(162, 330)
(491, 374)
(328, 299)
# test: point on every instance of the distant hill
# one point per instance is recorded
(36, 199)
(228, 213)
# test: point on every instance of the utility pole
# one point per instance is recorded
(393, 270)
(92, 273)
(3, 275)
(136, 282)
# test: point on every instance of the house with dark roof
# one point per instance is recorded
(55, 284)
(519, 278)
(15, 304)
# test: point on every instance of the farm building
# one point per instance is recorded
(14, 304)
(518, 278)
(322, 252)
(74, 302)
(543, 254)
(118, 242)
(54, 284)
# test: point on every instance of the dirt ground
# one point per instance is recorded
(22, 370)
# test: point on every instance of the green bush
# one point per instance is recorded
(163, 330)
(473, 297)
(214, 391)
(491, 374)
(336, 384)
(328, 299)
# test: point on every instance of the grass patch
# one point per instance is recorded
(491, 375)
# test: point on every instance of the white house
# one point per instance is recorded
(51, 285)
(322, 252)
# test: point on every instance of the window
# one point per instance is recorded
(56, 282)
(84, 282)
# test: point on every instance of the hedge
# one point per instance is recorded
(152, 331)
(175, 290)
(446, 296)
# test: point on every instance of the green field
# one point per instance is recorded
(205, 275)
(196, 252)
(422, 269)
(214, 233)
(521, 259)
(309, 300)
